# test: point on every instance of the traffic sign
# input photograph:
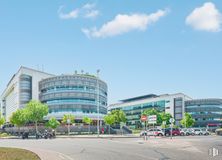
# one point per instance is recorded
(172, 120)
(143, 118)
(152, 119)
(68, 121)
(164, 122)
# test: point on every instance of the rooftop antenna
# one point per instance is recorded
(42, 68)
(37, 67)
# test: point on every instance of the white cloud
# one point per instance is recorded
(71, 15)
(92, 14)
(89, 6)
(123, 23)
(205, 18)
(86, 11)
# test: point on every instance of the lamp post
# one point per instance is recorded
(68, 122)
(97, 82)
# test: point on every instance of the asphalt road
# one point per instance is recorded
(179, 148)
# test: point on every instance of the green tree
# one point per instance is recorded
(36, 112)
(88, 121)
(19, 118)
(153, 111)
(68, 119)
(109, 120)
(119, 116)
(53, 123)
(2, 119)
(165, 117)
(187, 120)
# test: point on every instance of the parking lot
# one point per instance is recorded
(180, 147)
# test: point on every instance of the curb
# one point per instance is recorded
(73, 137)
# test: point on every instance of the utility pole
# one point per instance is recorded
(97, 82)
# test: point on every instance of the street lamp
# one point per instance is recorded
(97, 99)
(68, 122)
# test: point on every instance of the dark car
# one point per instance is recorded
(175, 132)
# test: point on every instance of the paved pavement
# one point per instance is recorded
(179, 148)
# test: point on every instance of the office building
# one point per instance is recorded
(134, 107)
(206, 112)
(74, 94)
(23, 86)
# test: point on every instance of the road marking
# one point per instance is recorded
(62, 155)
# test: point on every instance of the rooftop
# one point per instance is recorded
(140, 98)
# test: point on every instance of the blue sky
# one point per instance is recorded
(141, 47)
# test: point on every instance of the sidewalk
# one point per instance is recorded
(80, 136)
(96, 136)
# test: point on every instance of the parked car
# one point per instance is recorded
(191, 131)
(155, 132)
(199, 131)
(175, 132)
(218, 131)
(205, 132)
(184, 132)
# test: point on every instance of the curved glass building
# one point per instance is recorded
(205, 111)
(74, 94)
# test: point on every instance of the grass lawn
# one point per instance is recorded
(17, 154)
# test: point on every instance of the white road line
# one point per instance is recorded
(63, 156)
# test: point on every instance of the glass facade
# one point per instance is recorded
(178, 110)
(133, 113)
(75, 94)
(205, 111)
(25, 89)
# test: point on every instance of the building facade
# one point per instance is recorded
(206, 112)
(22, 87)
(134, 107)
(74, 94)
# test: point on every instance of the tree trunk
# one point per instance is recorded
(109, 129)
(68, 128)
(36, 127)
(19, 131)
(89, 128)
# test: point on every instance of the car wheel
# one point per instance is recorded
(167, 134)
(182, 134)
(160, 134)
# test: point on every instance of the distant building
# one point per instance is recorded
(74, 94)
(206, 112)
(134, 107)
(23, 86)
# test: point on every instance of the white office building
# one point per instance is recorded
(134, 107)
(23, 87)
